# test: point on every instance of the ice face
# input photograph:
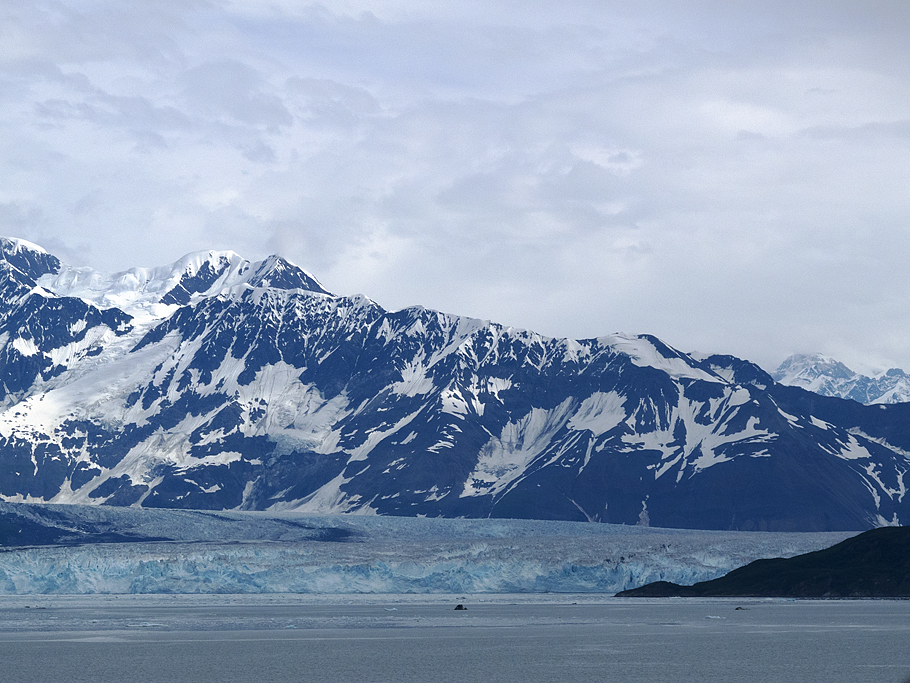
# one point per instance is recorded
(171, 551)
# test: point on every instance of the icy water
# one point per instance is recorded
(498, 639)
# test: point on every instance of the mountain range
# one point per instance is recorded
(220, 383)
(829, 377)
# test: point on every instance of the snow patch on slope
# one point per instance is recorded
(693, 442)
(505, 459)
(644, 353)
(414, 380)
(599, 413)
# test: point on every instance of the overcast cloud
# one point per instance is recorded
(730, 176)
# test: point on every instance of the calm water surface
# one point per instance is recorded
(508, 639)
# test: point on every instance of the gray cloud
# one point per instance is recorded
(235, 91)
(729, 176)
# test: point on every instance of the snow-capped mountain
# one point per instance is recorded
(828, 377)
(218, 383)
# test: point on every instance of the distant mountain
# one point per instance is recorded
(220, 383)
(874, 564)
(828, 377)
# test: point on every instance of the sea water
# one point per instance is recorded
(420, 638)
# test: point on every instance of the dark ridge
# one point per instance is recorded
(874, 564)
(277, 273)
(32, 263)
(325, 534)
(207, 275)
(18, 532)
(31, 525)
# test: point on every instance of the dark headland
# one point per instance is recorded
(874, 564)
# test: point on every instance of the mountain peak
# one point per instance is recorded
(806, 367)
(280, 273)
(829, 377)
(151, 292)
(27, 257)
(217, 382)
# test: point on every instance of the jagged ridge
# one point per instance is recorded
(828, 377)
(217, 383)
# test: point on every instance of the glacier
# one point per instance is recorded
(72, 549)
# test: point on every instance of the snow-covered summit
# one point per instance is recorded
(216, 382)
(152, 293)
(829, 377)
(812, 371)
(31, 259)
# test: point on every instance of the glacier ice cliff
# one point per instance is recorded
(55, 549)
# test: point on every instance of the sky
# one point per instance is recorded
(732, 177)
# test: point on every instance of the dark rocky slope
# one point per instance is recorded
(874, 564)
(219, 383)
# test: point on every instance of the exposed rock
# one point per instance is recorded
(874, 564)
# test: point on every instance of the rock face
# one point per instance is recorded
(874, 564)
(219, 383)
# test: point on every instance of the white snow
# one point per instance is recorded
(819, 423)
(376, 436)
(328, 498)
(739, 397)
(826, 376)
(95, 388)
(77, 327)
(704, 445)
(414, 380)
(504, 459)
(792, 419)
(26, 347)
(498, 384)
(599, 413)
(138, 291)
(852, 450)
(644, 354)
(453, 402)
(15, 245)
